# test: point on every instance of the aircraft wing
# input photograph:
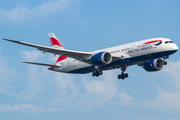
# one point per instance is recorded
(78, 55)
(69, 53)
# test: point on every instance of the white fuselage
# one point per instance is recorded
(129, 54)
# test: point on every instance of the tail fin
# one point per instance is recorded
(57, 44)
(54, 41)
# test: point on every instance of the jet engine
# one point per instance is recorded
(101, 58)
(153, 65)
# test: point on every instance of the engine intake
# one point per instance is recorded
(101, 58)
(153, 65)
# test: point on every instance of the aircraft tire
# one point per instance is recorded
(165, 63)
(100, 72)
(119, 76)
(126, 75)
(97, 74)
(123, 76)
(93, 74)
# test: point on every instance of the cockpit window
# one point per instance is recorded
(171, 42)
(166, 42)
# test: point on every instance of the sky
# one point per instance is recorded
(33, 92)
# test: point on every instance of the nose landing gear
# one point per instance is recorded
(164, 58)
(164, 63)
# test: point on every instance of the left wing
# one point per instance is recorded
(78, 55)
(42, 64)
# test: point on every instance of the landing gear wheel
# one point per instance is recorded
(119, 76)
(93, 74)
(164, 58)
(97, 73)
(100, 72)
(165, 63)
(123, 75)
(126, 75)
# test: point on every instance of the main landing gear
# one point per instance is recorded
(97, 72)
(123, 75)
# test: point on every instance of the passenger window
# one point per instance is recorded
(167, 42)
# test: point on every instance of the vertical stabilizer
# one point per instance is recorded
(54, 41)
(56, 44)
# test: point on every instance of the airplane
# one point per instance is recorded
(150, 54)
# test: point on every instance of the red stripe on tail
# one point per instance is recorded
(61, 58)
(58, 60)
(55, 42)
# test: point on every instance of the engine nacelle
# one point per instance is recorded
(153, 65)
(101, 58)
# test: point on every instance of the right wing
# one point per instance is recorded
(82, 56)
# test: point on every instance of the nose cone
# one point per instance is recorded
(175, 47)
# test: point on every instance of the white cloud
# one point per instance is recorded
(151, 117)
(124, 97)
(165, 100)
(53, 109)
(65, 87)
(27, 108)
(172, 69)
(31, 55)
(37, 83)
(168, 98)
(105, 88)
(133, 75)
(21, 108)
(98, 92)
(100, 88)
(22, 13)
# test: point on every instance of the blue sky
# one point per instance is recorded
(32, 92)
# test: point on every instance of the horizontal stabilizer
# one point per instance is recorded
(42, 64)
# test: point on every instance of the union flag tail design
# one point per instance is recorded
(54, 41)
(57, 44)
